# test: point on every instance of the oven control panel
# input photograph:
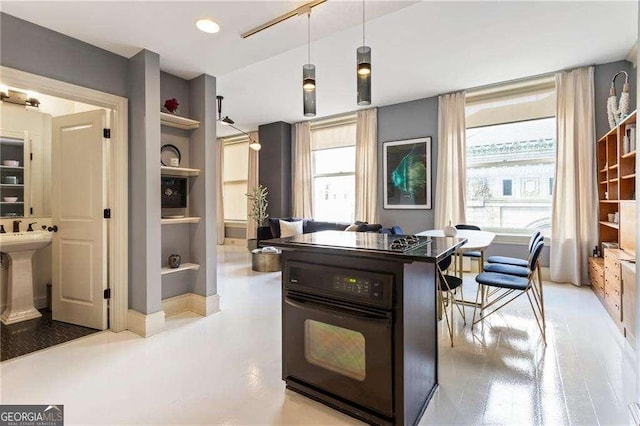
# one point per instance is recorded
(358, 286)
(366, 287)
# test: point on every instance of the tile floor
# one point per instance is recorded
(225, 369)
(36, 334)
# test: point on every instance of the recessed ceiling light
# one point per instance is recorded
(207, 25)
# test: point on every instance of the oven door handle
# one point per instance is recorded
(335, 309)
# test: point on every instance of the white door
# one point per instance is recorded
(78, 194)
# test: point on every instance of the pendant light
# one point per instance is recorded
(363, 61)
(309, 77)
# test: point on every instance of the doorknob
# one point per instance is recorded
(53, 228)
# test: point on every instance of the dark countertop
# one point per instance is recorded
(350, 243)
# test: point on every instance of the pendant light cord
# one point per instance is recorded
(309, 37)
(363, 22)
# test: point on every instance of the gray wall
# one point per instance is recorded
(174, 87)
(235, 232)
(144, 182)
(38, 50)
(275, 167)
(602, 81)
(202, 200)
(408, 120)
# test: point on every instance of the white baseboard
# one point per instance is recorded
(205, 305)
(145, 325)
(190, 302)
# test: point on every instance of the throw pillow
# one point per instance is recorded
(289, 229)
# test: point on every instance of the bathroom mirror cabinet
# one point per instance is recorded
(25, 162)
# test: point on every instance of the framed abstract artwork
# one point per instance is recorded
(407, 174)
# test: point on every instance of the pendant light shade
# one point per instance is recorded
(309, 78)
(309, 89)
(364, 75)
(363, 68)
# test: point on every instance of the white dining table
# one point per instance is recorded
(476, 241)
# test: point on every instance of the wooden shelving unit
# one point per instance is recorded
(616, 177)
(178, 122)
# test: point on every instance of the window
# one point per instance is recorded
(334, 163)
(236, 173)
(511, 154)
(507, 189)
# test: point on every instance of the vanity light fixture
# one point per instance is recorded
(309, 77)
(207, 25)
(363, 75)
(27, 99)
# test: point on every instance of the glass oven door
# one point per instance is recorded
(342, 350)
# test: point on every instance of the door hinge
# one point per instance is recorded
(106, 133)
(107, 293)
(107, 213)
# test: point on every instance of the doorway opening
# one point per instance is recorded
(67, 181)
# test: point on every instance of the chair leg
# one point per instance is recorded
(464, 317)
(475, 306)
(544, 324)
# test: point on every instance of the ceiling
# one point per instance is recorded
(420, 49)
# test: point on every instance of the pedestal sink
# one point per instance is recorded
(20, 247)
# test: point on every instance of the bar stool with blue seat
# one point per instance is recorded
(448, 285)
(472, 254)
(508, 284)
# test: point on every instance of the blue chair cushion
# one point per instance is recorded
(495, 279)
(508, 260)
(472, 254)
(452, 282)
(502, 268)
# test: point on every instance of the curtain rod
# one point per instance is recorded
(542, 76)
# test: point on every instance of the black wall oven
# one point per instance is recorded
(338, 337)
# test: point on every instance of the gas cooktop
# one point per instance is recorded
(362, 240)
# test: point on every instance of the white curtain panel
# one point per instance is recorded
(302, 171)
(451, 180)
(574, 216)
(252, 182)
(367, 166)
(220, 191)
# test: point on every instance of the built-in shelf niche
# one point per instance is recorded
(184, 123)
(184, 267)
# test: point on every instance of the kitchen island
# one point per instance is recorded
(359, 321)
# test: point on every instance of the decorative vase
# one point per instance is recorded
(175, 261)
(450, 231)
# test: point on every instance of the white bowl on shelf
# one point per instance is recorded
(11, 163)
(10, 199)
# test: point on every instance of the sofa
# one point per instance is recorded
(310, 225)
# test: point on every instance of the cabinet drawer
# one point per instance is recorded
(612, 282)
(612, 303)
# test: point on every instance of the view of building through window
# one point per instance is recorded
(334, 184)
(510, 174)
